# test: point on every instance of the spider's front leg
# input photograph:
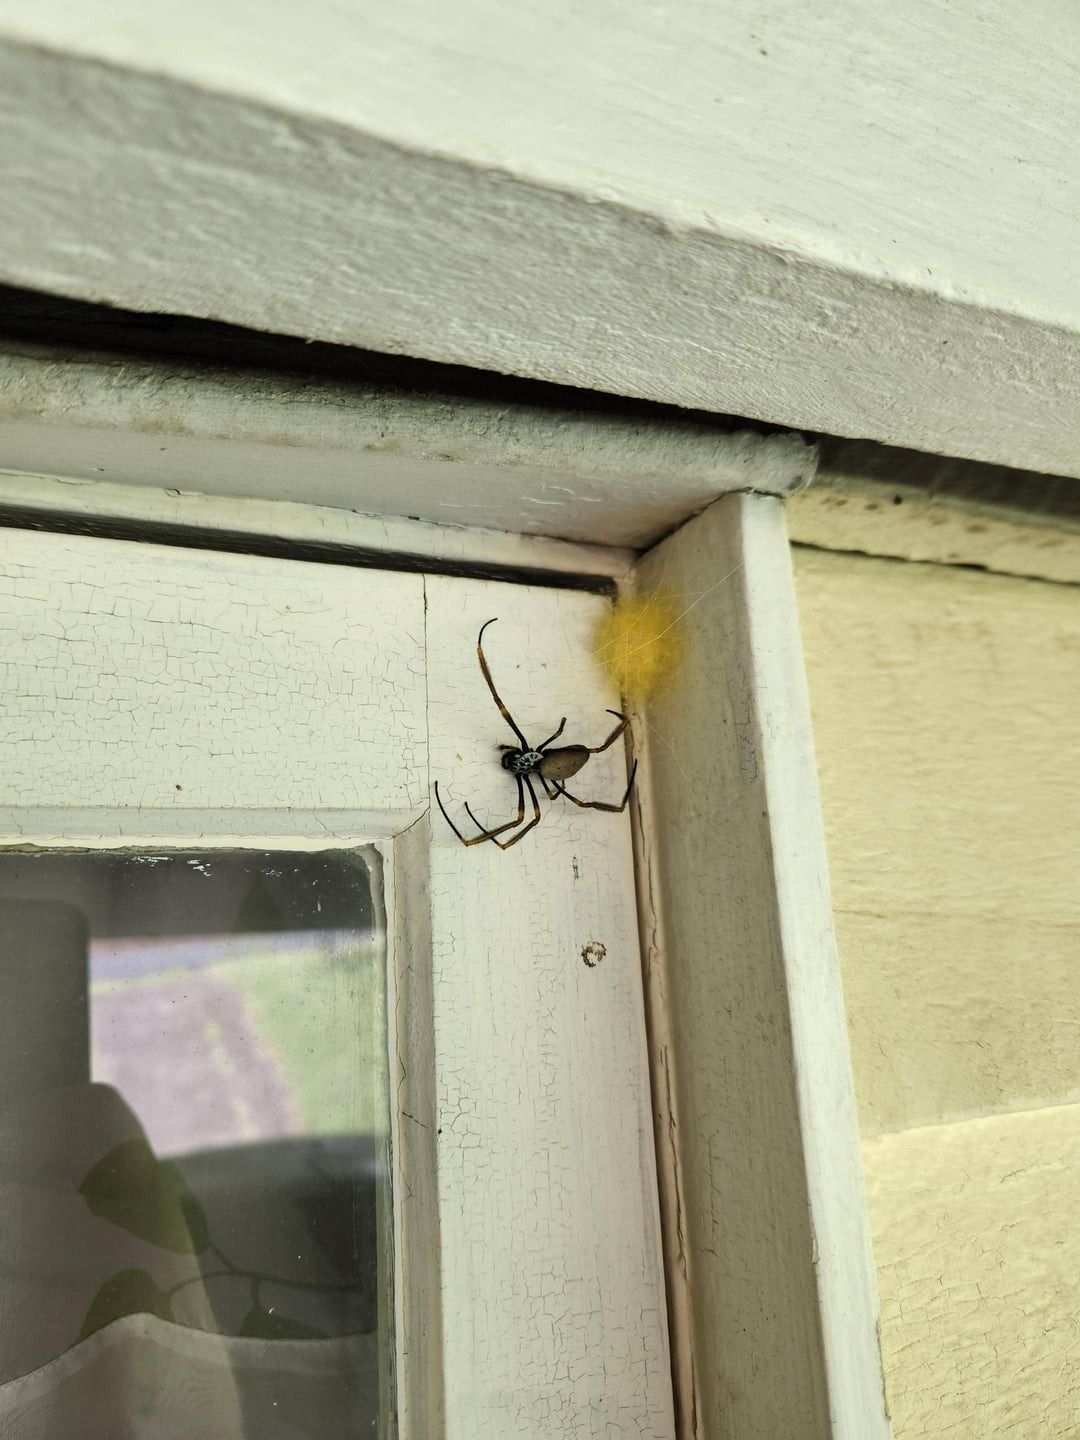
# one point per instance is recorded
(552, 738)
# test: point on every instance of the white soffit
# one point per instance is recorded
(578, 475)
(843, 218)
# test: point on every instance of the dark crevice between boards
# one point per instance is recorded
(37, 318)
(321, 552)
(1027, 495)
(45, 319)
(887, 557)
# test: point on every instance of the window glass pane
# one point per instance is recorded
(193, 1118)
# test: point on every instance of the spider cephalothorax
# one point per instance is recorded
(551, 766)
(521, 762)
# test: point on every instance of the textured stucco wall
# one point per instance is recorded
(946, 705)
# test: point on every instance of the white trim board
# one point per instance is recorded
(774, 1303)
(574, 475)
(814, 223)
(57, 502)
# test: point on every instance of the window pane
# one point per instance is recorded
(193, 1107)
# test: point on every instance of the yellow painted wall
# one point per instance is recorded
(946, 704)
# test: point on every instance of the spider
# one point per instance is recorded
(551, 767)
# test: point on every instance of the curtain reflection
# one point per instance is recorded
(190, 1147)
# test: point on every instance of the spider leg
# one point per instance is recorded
(546, 783)
(558, 732)
(505, 844)
(503, 711)
(619, 728)
(484, 834)
(599, 804)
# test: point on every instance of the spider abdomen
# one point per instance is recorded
(560, 765)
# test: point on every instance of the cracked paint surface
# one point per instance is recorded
(142, 676)
(554, 1309)
(154, 676)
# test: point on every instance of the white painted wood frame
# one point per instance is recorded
(381, 451)
(165, 696)
(773, 1294)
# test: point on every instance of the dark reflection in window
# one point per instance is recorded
(192, 1125)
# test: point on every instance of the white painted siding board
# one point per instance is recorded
(834, 218)
(553, 1302)
(149, 676)
(636, 103)
(771, 1228)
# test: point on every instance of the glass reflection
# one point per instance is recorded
(192, 1123)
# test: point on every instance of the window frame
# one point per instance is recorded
(241, 700)
(720, 540)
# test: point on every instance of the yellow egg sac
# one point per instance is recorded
(638, 642)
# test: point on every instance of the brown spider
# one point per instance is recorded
(551, 767)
